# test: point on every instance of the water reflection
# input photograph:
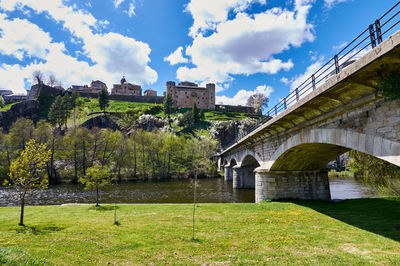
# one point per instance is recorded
(348, 189)
(170, 191)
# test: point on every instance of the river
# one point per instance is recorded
(170, 191)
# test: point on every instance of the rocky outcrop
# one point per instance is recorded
(28, 109)
(101, 121)
(149, 122)
(228, 132)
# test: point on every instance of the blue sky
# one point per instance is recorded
(244, 46)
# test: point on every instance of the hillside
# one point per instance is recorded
(129, 115)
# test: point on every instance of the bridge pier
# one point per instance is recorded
(228, 173)
(306, 185)
(243, 177)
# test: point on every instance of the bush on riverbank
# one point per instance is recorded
(364, 231)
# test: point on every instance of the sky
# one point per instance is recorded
(243, 46)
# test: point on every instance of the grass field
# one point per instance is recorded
(7, 107)
(349, 232)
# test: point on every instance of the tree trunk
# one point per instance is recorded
(144, 165)
(94, 151)
(134, 160)
(83, 157)
(52, 180)
(97, 197)
(194, 200)
(75, 164)
(8, 157)
(169, 164)
(119, 173)
(103, 160)
(21, 219)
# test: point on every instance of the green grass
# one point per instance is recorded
(91, 105)
(348, 232)
(7, 107)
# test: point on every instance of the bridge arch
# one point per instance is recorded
(250, 155)
(229, 163)
(313, 149)
(243, 174)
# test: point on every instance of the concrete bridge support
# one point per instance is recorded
(244, 177)
(228, 173)
(308, 185)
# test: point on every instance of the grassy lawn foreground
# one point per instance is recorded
(349, 232)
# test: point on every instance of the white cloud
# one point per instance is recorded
(117, 3)
(131, 10)
(208, 13)
(244, 45)
(242, 95)
(113, 53)
(20, 38)
(120, 54)
(340, 46)
(176, 57)
(332, 3)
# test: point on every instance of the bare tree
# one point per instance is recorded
(52, 80)
(258, 101)
(38, 76)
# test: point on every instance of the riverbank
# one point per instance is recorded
(351, 231)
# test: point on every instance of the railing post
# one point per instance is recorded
(284, 103)
(337, 70)
(313, 81)
(276, 110)
(297, 94)
(372, 36)
(378, 31)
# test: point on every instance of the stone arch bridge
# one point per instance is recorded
(285, 157)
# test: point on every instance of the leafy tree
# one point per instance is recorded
(21, 131)
(195, 113)
(96, 177)
(2, 102)
(168, 106)
(390, 86)
(187, 120)
(42, 132)
(66, 108)
(74, 99)
(28, 172)
(376, 173)
(258, 101)
(202, 115)
(45, 134)
(56, 113)
(104, 99)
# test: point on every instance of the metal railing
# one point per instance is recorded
(372, 36)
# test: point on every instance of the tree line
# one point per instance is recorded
(138, 154)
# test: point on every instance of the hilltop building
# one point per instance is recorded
(185, 94)
(150, 92)
(126, 88)
(95, 87)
